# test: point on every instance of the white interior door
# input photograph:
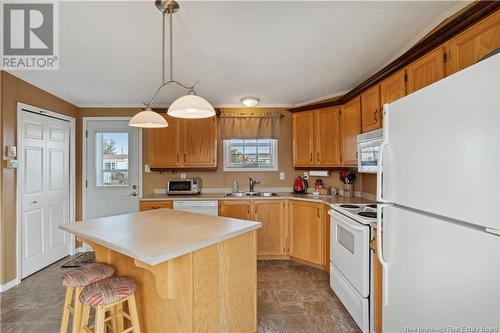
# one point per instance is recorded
(45, 193)
(112, 168)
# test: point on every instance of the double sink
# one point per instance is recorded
(252, 194)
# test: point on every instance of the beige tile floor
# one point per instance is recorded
(291, 298)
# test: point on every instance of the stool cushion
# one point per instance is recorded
(87, 274)
(108, 291)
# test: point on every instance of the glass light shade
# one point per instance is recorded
(148, 119)
(191, 107)
(249, 101)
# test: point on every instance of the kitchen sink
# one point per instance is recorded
(252, 194)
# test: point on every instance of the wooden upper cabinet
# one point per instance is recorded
(392, 88)
(370, 109)
(327, 137)
(185, 143)
(199, 142)
(271, 237)
(473, 44)
(164, 145)
(306, 231)
(238, 209)
(350, 124)
(303, 139)
(426, 70)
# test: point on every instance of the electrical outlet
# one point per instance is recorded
(147, 168)
(12, 164)
(282, 176)
(183, 176)
(11, 151)
(306, 175)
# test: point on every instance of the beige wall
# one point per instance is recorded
(15, 90)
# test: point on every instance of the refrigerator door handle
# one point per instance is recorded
(380, 163)
(380, 253)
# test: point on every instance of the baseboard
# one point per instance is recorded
(8, 285)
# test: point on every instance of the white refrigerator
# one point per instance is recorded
(439, 182)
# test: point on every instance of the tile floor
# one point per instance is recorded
(291, 298)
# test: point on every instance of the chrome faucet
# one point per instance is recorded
(252, 183)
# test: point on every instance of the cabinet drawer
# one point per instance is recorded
(149, 205)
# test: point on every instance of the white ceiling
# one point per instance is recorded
(285, 53)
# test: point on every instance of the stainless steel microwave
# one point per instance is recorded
(368, 150)
(184, 186)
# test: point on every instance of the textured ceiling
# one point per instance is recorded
(283, 52)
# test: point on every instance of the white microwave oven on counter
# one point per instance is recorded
(368, 150)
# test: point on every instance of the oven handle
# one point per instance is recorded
(380, 163)
(380, 254)
(345, 222)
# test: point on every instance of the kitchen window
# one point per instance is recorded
(251, 155)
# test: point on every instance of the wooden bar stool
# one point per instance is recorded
(74, 281)
(109, 295)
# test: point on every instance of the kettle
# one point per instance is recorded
(300, 185)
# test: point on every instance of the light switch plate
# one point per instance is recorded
(11, 151)
(12, 164)
(282, 176)
(147, 168)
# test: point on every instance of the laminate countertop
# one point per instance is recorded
(326, 199)
(159, 235)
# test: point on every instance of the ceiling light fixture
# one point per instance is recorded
(250, 101)
(189, 106)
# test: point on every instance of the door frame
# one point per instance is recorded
(72, 178)
(85, 122)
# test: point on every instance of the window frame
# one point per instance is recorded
(227, 156)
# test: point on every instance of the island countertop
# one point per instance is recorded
(159, 235)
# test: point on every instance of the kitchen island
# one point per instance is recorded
(195, 273)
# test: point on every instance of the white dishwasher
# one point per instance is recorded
(208, 207)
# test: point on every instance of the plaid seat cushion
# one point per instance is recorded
(108, 291)
(87, 274)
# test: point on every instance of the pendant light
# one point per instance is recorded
(189, 106)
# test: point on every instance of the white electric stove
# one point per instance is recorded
(362, 213)
(350, 258)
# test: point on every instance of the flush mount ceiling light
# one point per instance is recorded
(250, 101)
(189, 106)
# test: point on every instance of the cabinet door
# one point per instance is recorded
(426, 70)
(327, 129)
(164, 145)
(370, 109)
(303, 138)
(326, 237)
(473, 44)
(392, 88)
(350, 123)
(271, 237)
(238, 209)
(199, 142)
(150, 205)
(306, 231)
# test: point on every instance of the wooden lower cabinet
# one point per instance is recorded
(238, 209)
(307, 230)
(377, 286)
(150, 205)
(271, 237)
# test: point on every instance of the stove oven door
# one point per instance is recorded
(350, 252)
